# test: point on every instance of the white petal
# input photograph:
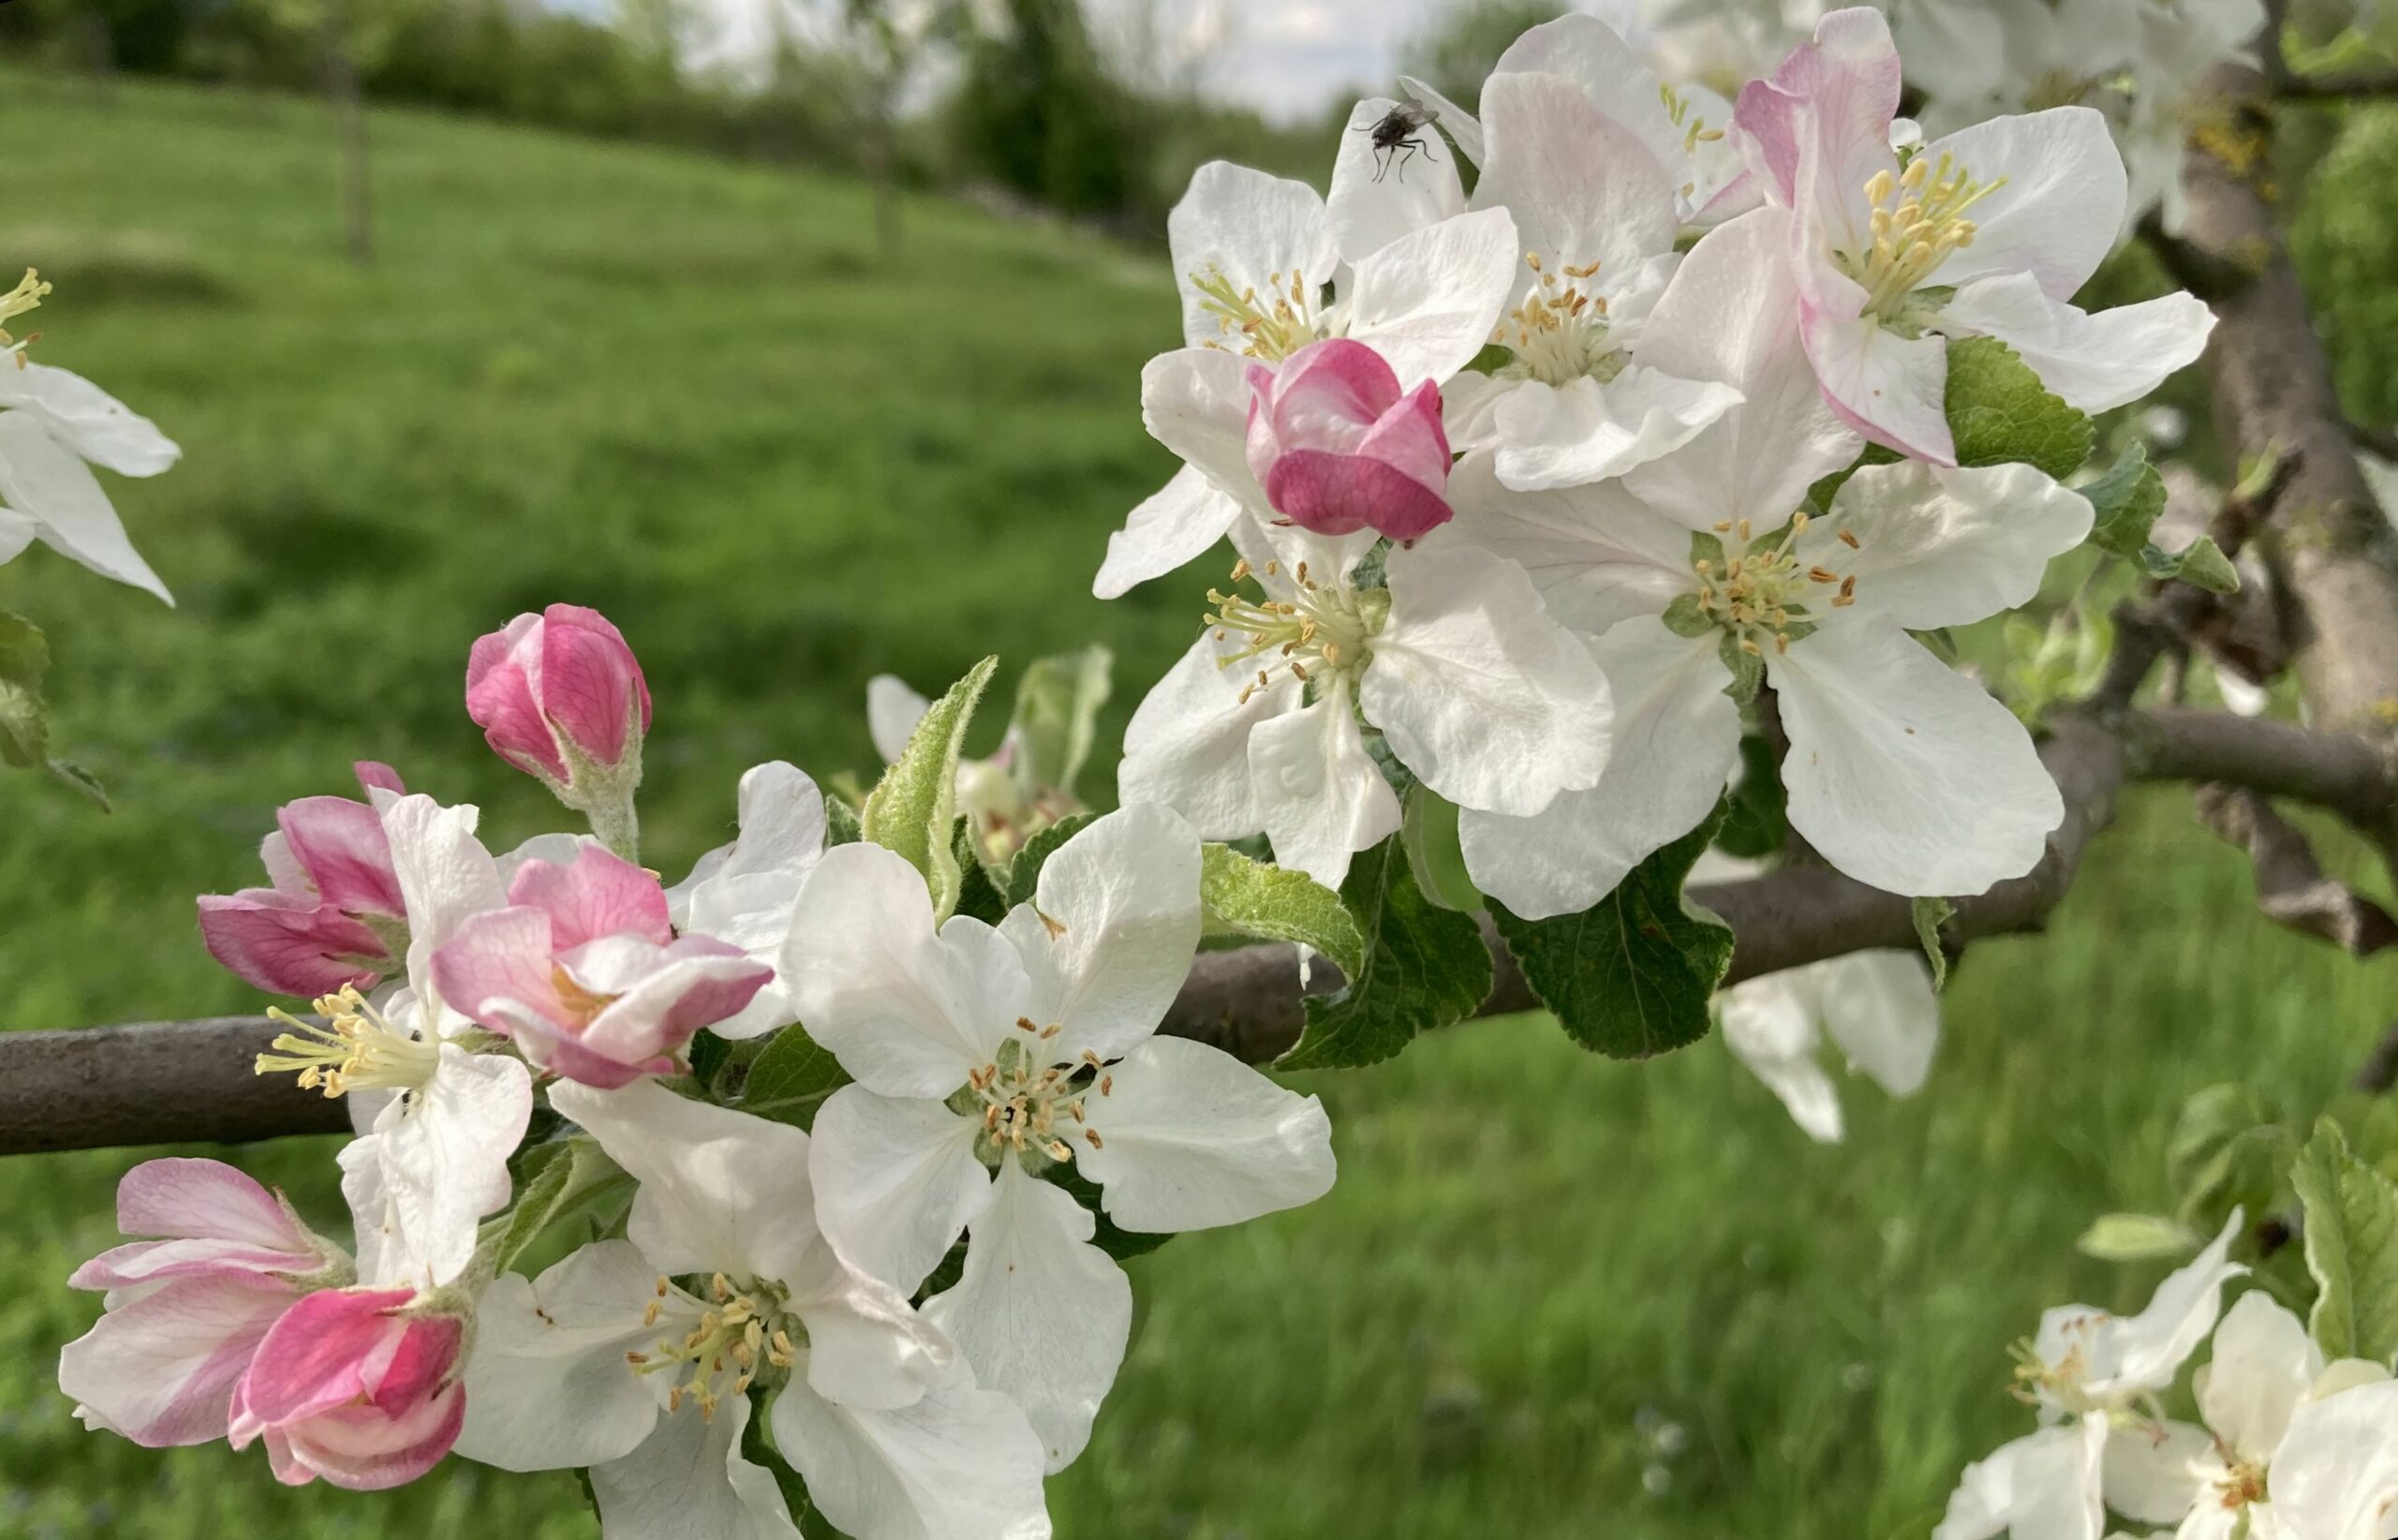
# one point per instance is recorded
(893, 709)
(1731, 314)
(1320, 796)
(1487, 699)
(2095, 363)
(1583, 189)
(1567, 435)
(689, 1479)
(1938, 546)
(2337, 1476)
(87, 420)
(1375, 200)
(17, 532)
(1191, 1138)
(1461, 127)
(1597, 554)
(1903, 773)
(1427, 302)
(2128, 1356)
(2044, 1487)
(2264, 1365)
(896, 1180)
(42, 480)
(1195, 402)
(1770, 1024)
(1260, 232)
(1042, 1313)
(1677, 738)
(907, 1009)
(1892, 389)
(1598, 59)
(442, 1154)
(720, 1190)
(1108, 939)
(1186, 747)
(1172, 526)
(446, 878)
(547, 1385)
(959, 1464)
(2156, 1473)
(1880, 1008)
(868, 1347)
(2063, 205)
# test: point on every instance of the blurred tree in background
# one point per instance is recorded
(1457, 50)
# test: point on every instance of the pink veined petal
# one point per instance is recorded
(1833, 98)
(318, 1355)
(427, 1353)
(363, 1449)
(341, 844)
(501, 703)
(1891, 389)
(375, 776)
(506, 954)
(1410, 438)
(184, 1198)
(553, 1047)
(159, 1261)
(599, 894)
(1341, 494)
(288, 945)
(163, 1369)
(591, 685)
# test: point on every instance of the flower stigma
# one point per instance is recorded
(1031, 1107)
(356, 1048)
(742, 1331)
(1560, 332)
(1271, 331)
(1766, 590)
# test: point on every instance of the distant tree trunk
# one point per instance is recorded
(349, 126)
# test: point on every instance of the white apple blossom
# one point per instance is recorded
(2084, 1370)
(54, 426)
(1901, 772)
(983, 1052)
(606, 1363)
(1253, 255)
(743, 892)
(1474, 687)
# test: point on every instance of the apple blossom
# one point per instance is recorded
(1987, 231)
(2336, 1476)
(1253, 255)
(1878, 1009)
(2084, 1368)
(357, 1385)
(584, 972)
(560, 696)
(1456, 664)
(439, 1119)
(333, 915)
(1693, 574)
(1339, 448)
(605, 1362)
(985, 1056)
(742, 893)
(1005, 795)
(54, 426)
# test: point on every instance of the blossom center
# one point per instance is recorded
(584, 1005)
(26, 296)
(1028, 1106)
(1322, 631)
(355, 1048)
(1766, 590)
(742, 1330)
(1918, 219)
(2061, 1383)
(2243, 1484)
(1560, 332)
(1270, 328)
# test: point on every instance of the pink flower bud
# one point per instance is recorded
(559, 688)
(334, 915)
(359, 1386)
(584, 972)
(1339, 448)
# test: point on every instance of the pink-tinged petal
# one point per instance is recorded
(375, 776)
(2061, 208)
(1339, 449)
(502, 677)
(186, 1199)
(161, 1369)
(362, 1449)
(424, 1358)
(287, 944)
(1832, 99)
(596, 895)
(659, 1015)
(1410, 438)
(146, 1262)
(318, 1355)
(341, 844)
(503, 955)
(1341, 494)
(590, 683)
(1893, 390)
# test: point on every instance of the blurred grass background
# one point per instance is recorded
(1551, 1295)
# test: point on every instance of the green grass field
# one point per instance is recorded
(1551, 1295)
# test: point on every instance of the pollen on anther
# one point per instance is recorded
(1849, 539)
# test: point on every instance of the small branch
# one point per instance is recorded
(2362, 84)
(2345, 773)
(2291, 887)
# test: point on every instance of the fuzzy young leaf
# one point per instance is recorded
(978, 889)
(1024, 873)
(1057, 716)
(911, 807)
(2138, 1238)
(1632, 976)
(2201, 564)
(2351, 1249)
(1930, 915)
(790, 1079)
(2125, 500)
(1424, 967)
(1999, 412)
(1245, 897)
(840, 823)
(564, 1185)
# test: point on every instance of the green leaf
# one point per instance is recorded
(1999, 412)
(1633, 975)
(25, 722)
(2126, 500)
(840, 823)
(1423, 967)
(790, 1079)
(1754, 822)
(2228, 1150)
(564, 1184)
(978, 894)
(1930, 915)
(1436, 854)
(1057, 716)
(1686, 618)
(1247, 898)
(2201, 564)
(2351, 1249)
(2138, 1238)
(1024, 873)
(911, 807)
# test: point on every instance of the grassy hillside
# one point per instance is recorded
(1551, 1296)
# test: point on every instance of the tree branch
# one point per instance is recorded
(2364, 82)
(2291, 887)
